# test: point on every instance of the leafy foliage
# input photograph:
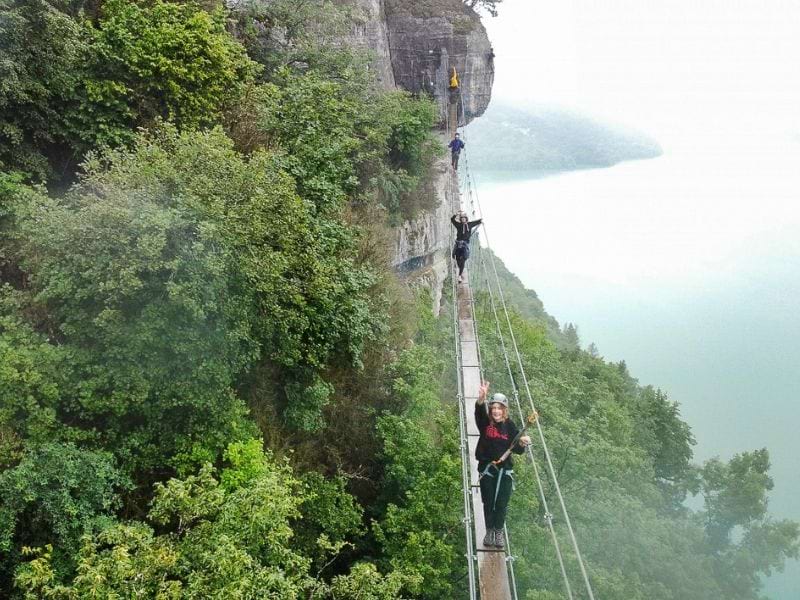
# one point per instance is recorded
(489, 5)
(159, 60)
(419, 534)
(70, 84)
(215, 542)
(41, 54)
(55, 495)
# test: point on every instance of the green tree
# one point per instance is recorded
(42, 51)
(55, 495)
(158, 59)
(301, 36)
(169, 271)
(489, 5)
(212, 536)
(421, 530)
(69, 84)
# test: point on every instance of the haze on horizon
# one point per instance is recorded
(674, 69)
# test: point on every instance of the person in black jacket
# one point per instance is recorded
(464, 228)
(497, 433)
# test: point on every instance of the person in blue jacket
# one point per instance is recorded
(456, 146)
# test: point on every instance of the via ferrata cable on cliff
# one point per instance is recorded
(493, 567)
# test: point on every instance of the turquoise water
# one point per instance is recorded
(687, 267)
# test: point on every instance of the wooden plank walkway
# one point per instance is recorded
(492, 570)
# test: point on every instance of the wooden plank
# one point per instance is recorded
(465, 304)
(492, 571)
(493, 578)
(471, 377)
(469, 354)
(480, 523)
(472, 427)
(465, 331)
(472, 442)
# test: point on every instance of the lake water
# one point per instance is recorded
(687, 267)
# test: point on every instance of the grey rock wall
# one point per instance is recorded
(427, 38)
(371, 32)
(422, 245)
(416, 44)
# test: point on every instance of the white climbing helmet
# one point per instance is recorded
(499, 399)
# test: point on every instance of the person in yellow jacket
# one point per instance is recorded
(454, 79)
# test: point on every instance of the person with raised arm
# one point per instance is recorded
(499, 438)
(464, 228)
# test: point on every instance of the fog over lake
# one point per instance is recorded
(686, 266)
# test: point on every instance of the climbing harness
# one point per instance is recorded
(501, 471)
(462, 424)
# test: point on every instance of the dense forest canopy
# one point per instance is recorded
(213, 385)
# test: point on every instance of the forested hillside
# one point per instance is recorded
(212, 385)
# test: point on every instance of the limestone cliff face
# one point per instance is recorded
(416, 45)
(422, 244)
(427, 38)
(371, 31)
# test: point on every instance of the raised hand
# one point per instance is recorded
(482, 391)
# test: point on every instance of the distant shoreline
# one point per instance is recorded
(533, 174)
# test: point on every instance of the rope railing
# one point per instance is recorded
(457, 206)
(518, 405)
(472, 197)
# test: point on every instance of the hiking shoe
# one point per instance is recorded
(488, 539)
(500, 539)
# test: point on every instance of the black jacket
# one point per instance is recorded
(495, 438)
(464, 230)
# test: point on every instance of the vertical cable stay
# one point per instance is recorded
(510, 554)
(465, 482)
(551, 468)
(515, 391)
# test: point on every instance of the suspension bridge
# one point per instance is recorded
(491, 570)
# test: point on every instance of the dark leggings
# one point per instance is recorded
(461, 260)
(454, 159)
(461, 254)
(494, 511)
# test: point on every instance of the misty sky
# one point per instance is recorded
(688, 265)
(668, 67)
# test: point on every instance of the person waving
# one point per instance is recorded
(498, 434)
